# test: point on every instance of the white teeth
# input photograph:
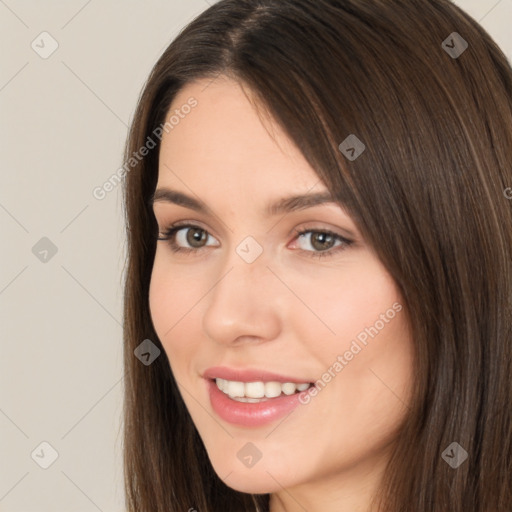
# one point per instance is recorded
(234, 389)
(272, 389)
(289, 388)
(253, 391)
(250, 400)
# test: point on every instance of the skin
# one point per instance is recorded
(288, 312)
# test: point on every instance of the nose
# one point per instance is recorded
(246, 303)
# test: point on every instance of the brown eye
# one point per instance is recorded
(322, 241)
(195, 237)
(185, 238)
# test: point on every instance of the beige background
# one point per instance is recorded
(64, 120)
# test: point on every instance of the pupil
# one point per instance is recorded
(324, 236)
(195, 235)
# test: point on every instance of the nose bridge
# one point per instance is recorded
(246, 265)
(243, 299)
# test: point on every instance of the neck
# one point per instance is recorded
(343, 491)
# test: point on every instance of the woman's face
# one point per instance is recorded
(250, 301)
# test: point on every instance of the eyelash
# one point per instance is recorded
(168, 236)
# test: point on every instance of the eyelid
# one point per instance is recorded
(183, 223)
(318, 229)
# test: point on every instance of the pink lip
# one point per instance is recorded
(245, 413)
(251, 414)
(239, 375)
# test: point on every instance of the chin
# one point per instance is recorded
(251, 483)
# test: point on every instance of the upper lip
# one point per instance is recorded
(248, 375)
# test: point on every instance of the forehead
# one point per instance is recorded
(225, 140)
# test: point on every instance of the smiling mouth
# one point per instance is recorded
(259, 391)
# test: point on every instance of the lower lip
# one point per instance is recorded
(251, 414)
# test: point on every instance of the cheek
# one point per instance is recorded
(367, 347)
(172, 291)
(347, 304)
(374, 342)
(172, 296)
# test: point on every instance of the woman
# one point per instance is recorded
(319, 280)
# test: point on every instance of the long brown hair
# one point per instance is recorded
(428, 194)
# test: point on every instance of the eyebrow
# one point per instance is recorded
(281, 206)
